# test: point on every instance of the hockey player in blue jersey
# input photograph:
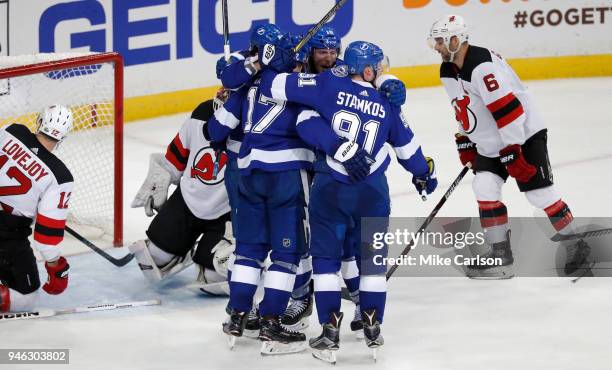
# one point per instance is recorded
(271, 215)
(345, 189)
(243, 65)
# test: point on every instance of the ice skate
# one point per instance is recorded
(371, 331)
(577, 256)
(498, 252)
(297, 314)
(251, 329)
(277, 340)
(325, 345)
(357, 323)
(234, 326)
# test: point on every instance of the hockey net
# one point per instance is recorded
(91, 85)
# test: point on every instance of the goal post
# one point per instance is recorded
(91, 85)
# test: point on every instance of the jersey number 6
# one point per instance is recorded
(490, 82)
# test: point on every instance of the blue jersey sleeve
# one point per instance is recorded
(405, 144)
(317, 132)
(237, 74)
(302, 88)
(227, 117)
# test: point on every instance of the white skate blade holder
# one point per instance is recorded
(269, 348)
(359, 335)
(231, 341)
(251, 334)
(325, 355)
(494, 273)
(299, 326)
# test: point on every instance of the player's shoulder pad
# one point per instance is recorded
(204, 111)
(448, 70)
(475, 57)
(60, 171)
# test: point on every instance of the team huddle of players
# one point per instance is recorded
(287, 160)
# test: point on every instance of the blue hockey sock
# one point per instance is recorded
(373, 295)
(278, 284)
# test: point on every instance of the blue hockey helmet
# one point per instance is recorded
(361, 54)
(325, 38)
(266, 33)
(302, 54)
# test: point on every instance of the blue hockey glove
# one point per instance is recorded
(278, 57)
(427, 182)
(218, 146)
(395, 90)
(355, 160)
(222, 63)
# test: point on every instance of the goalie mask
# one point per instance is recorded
(55, 122)
(220, 97)
(445, 28)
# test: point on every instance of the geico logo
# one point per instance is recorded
(112, 24)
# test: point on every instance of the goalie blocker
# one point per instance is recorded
(198, 208)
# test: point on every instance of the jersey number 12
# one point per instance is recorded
(25, 184)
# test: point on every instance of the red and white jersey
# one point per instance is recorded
(490, 103)
(191, 156)
(35, 184)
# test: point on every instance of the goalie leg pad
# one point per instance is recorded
(21, 302)
(145, 261)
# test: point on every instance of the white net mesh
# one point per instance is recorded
(88, 151)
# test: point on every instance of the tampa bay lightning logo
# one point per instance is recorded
(261, 31)
(340, 71)
(364, 46)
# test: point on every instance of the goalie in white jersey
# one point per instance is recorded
(34, 185)
(198, 207)
(500, 134)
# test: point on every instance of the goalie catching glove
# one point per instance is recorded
(154, 191)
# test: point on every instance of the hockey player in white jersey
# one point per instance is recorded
(198, 207)
(500, 134)
(34, 186)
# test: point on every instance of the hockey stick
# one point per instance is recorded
(434, 212)
(314, 29)
(431, 216)
(226, 43)
(226, 53)
(66, 311)
(585, 234)
(117, 262)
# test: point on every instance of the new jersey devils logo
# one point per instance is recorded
(464, 115)
(204, 164)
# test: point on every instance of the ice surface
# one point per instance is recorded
(430, 323)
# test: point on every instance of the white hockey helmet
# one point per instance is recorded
(447, 27)
(55, 122)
